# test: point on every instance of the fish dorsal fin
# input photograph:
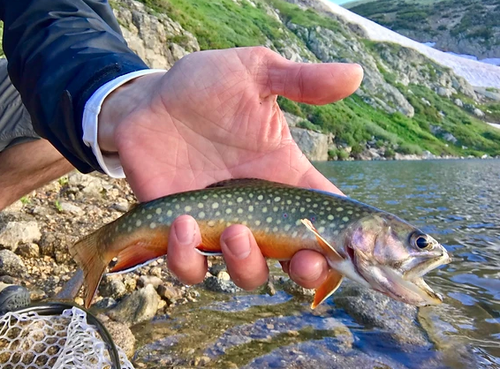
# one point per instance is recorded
(324, 244)
(238, 182)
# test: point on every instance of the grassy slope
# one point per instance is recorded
(224, 23)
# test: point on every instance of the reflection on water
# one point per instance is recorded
(457, 202)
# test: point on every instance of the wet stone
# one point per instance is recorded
(373, 309)
(294, 289)
(114, 287)
(169, 292)
(105, 303)
(140, 306)
(218, 285)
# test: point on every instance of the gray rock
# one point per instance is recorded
(105, 303)
(112, 286)
(156, 38)
(15, 233)
(314, 145)
(478, 113)
(140, 306)
(374, 309)
(445, 92)
(427, 155)
(86, 184)
(69, 208)
(169, 293)
(292, 120)
(121, 334)
(122, 206)
(144, 280)
(11, 264)
(425, 101)
(294, 289)
(450, 138)
(218, 285)
(458, 103)
(15, 207)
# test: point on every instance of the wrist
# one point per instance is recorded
(121, 104)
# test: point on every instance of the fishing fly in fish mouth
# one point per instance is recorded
(370, 246)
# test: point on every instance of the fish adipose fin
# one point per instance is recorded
(334, 278)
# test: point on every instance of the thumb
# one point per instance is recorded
(312, 83)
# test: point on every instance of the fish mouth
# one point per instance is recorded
(411, 288)
(426, 266)
(411, 291)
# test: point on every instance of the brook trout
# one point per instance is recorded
(365, 244)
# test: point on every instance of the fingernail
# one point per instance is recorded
(184, 230)
(238, 245)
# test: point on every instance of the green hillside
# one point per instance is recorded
(391, 111)
(226, 23)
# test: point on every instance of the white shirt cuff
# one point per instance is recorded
(110, 164)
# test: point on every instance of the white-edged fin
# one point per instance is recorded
(128, 270)
(320, 239)
(328, 287)
(209, 253)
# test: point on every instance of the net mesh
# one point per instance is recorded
(32, 341)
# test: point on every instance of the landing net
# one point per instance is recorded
(29, 340)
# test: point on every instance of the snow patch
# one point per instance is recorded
(482, 74)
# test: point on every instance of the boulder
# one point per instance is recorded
(15, 233)
(314, 145)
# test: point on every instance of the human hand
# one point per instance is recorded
(211, 117)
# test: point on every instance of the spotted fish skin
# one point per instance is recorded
(275, 213)
(270, 211)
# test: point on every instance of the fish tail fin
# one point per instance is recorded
(89, 256)
(328, 287)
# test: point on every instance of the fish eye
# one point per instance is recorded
(420, 240)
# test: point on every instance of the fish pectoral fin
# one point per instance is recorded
(329, 249)
(328, 287)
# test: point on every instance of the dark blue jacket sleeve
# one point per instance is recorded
(60, 52)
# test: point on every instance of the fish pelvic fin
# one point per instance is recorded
(88, 255)
(329, 286)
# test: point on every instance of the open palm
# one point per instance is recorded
(212, 117)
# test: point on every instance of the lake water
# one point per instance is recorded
(456, 201)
